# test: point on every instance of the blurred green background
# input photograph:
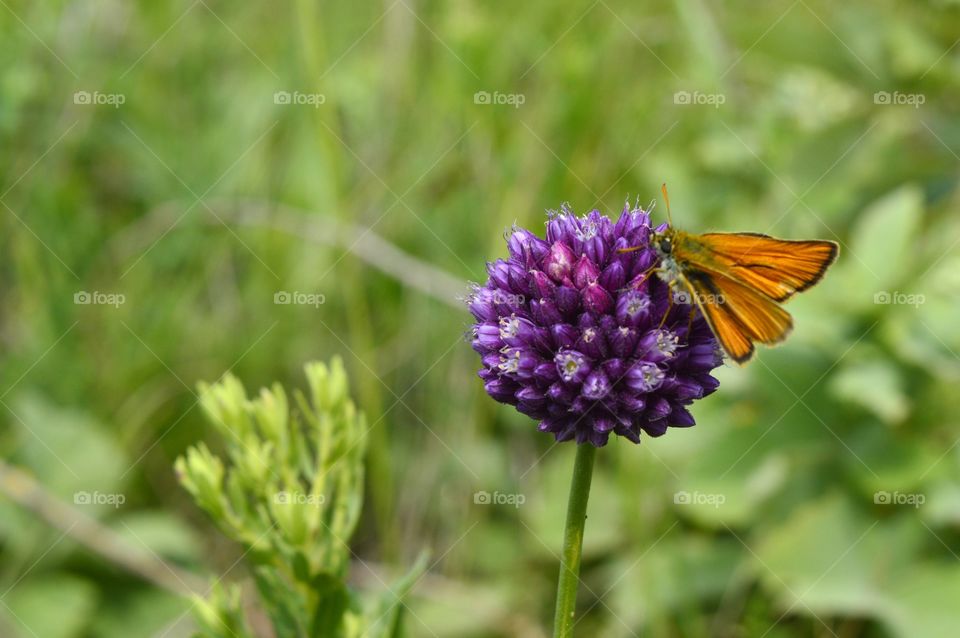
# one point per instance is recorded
(181, 163)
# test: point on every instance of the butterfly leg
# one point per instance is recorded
(643, 277)
(669, 308)
(691, 297)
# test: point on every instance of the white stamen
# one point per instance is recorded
(588, 232)
(637, 304)
(667, 342)
(509, 326)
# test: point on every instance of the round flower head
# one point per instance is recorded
(578, 336)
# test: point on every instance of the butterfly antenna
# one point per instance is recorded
(666, 198)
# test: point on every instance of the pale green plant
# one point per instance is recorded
(290, 491)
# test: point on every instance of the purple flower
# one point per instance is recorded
(572, 334)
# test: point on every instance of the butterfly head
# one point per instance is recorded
(663, 240)
(663, 244)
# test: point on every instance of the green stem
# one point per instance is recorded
(573, 541)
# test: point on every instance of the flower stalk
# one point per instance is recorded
(573, 541)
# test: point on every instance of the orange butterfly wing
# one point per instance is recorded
(737, 313)
(778, 268)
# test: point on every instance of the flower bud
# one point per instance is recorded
(623, 340)
(585, 272)
(545, 312)
(526, 248)
(613, 277)
(592, 342)
(502, 390)
(564, 335)
(596, 299)
(596, 386)
(558, 262)
(486, 338)
(540, 285)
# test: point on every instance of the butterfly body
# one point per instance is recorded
(738, 280)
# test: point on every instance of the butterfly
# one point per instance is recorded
(739, 280)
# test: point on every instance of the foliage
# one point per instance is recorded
(290, 493)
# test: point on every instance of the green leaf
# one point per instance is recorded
(875, 385)
(913, 50)
(52, 606)
(924, 332)
(943, 505)
(881, 249)
(386, 617)
(728, 484)
(301, 567)
(138, 612)
(284, 605)
(67, 450)
(222, 613)
(333, 600)
(816, 562)
(888, 459)
(682, 571)
(828, 559)
(159, 533)
(923, 601)
(545, 515)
